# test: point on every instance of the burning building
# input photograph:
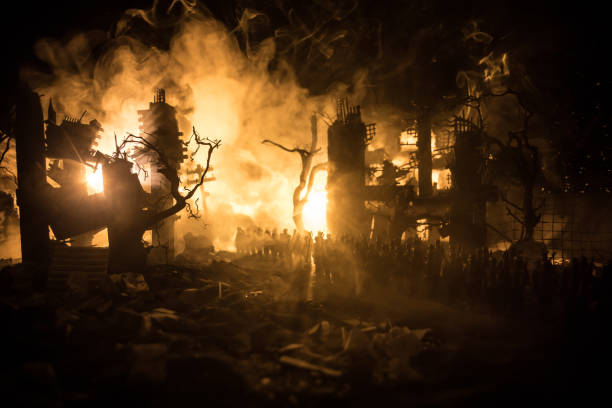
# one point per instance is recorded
(435, 186)
(350, 318)
(58, 196)
(69, 147)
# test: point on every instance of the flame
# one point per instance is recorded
(442, 178)
(245, 209)
(314, 214)
(422, 229)
(95, 183)
(408, 140)
(435, 176)
(433, 142)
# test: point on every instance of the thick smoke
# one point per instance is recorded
(222, 91)
(239, 84)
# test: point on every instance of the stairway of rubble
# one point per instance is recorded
(82, 263)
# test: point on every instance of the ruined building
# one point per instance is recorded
(68, 147)
(425, 200)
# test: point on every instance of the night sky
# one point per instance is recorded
(560, 48)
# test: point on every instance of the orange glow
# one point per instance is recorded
(433, 142)
(95, 183)
(442, 178)
(422, 229)
(100, 239)
(224, 95)
(243, 209)
(314, 214)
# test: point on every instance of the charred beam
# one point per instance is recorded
(424, 153)
(31, 178)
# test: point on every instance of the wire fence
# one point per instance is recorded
(568, 231)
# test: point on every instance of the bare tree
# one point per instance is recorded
(307, 172)
(524, 161)
(130, 219)
(171, 173)
(518, 161)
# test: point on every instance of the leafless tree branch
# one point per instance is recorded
(294, 150)
(142, 146)
(510, 213)
(193, 214)
(505, 200)
(306, 175)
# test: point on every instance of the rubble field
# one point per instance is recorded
(240, 333)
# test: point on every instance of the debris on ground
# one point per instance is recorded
(228, 328)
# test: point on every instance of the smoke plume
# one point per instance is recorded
(224, 92)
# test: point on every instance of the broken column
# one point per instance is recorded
(347, 139)
(31, 179)
(468, 208)
(424, 153)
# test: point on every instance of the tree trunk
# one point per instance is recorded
(531, 219)
(126, 226)
(298, 205)
(32, 179)
(298, 221)
(126, 250)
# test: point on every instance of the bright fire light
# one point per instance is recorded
(435, 176)
(314, 213)
(95, 184)
(243, 209)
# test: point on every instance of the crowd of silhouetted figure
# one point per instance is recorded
(498, 280)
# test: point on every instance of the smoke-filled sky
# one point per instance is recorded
(244, 71)
(326, 41)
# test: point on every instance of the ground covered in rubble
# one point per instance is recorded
(237, 333)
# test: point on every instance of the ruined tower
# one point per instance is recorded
(468, 208)
(159, 126)
(347, 139)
